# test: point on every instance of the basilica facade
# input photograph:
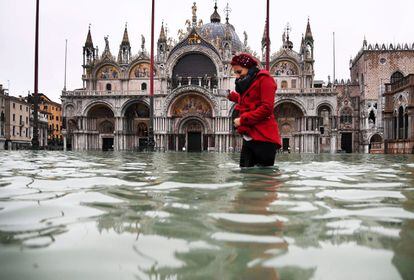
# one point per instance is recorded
(192, 77)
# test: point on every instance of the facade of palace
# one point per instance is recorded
(361, 100)
(399, 116)
(192, 77)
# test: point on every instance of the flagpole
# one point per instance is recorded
(35, 139)
(151, 142)
(66, 54)
(267, 36)
(333, 39)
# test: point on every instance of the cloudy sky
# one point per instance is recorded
(379, 20)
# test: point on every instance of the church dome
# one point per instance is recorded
(210, 31)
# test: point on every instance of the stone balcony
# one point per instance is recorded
(306, 91)
(108, 93)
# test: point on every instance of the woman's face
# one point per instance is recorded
(240, 71)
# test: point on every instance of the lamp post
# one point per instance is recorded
(151, 142)
(35, 139)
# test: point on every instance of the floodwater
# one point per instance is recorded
(198, 216)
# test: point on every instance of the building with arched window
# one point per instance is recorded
(399, 115)
(192, 77)
(363, 97)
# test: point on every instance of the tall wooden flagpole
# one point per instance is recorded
(267, 36)
(151, 142)
(35, 139)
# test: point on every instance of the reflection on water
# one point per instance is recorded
(198, 216)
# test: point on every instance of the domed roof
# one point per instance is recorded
(210, 31)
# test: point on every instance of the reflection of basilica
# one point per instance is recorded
(192, 77)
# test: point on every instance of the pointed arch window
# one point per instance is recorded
(396, 77)
(346, 116)
(371, 117)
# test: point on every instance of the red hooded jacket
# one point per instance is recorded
(255, 108)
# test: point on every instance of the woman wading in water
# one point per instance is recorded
(255, 97)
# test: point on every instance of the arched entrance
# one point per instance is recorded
(136, 124)
(289, 118)
(325, 123)
(376, 144)
(190, 116)
(100, 122)
(193, 130)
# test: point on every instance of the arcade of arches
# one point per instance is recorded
(101, 128)
(305, 134)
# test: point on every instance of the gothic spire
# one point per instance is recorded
(125, 39)
(308, 34)
(89, 42)
(163, 37)
(215, 17)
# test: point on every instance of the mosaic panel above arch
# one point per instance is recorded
(108, 72)
(191, 104)
(141, 70)
(284, 68)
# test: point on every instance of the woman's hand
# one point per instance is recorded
(237, 122)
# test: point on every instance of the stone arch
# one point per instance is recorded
(206, 94)
(135, 112)
(181, 124)
(130, 102)
(232, 110)
(295, 102)
(376, 137)
(200, 49)
(92, 104)
(327, 104)
(285, 102)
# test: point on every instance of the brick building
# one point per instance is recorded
(361, 97)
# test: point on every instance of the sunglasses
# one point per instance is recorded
(238, 72)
